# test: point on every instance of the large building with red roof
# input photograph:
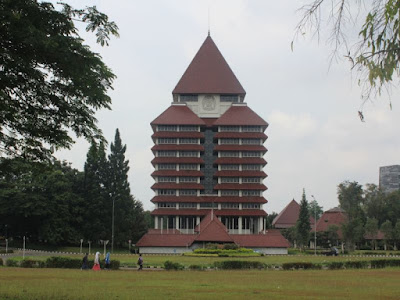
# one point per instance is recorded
(208, 164)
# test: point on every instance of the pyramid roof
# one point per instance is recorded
(240, 115)
(212, 230)
(178, 115)
(209, 73)
(288, 216)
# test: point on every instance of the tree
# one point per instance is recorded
(315, 209)
(270, 219)
(374, 203)
(371, 230)
(303, 226)
(387, 230)
(396, 234)
(375, 54)
(51, 84)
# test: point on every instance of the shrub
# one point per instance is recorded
(169, 265)
(63, 262)
(239, 264)
(393, 262)
(223, 255)
(8, 251)
(378, 263)
(297, 265)
(1, 262)
(11, 263)
(211, 246)
(195, 267)
(30, 263)
(335, 265)
(230, 246)
(356, 264)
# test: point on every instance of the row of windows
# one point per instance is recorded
(164, 192)
(167, 153)
(237, 154)
(175, 141)
(251, 193)
(209, 205)
(244, 180)
(233, 141)
(175, 128)
(237, 128)
(174, 179)
(248, 167)
(181, 166)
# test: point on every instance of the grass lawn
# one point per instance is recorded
(17, 283)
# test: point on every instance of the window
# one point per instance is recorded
(166, 141)
(229, 193)
(208, 205)
(187, 179)
(187, 192)
(188, 141)
(251, 167)
(251, 154)
(166, 204)
(166, 192)
(166, 153)
(251, 206)
(167, 166)
(188, 167)
(188, 98)
(229, 179)
(187, 205)
(251, 193)
(189, 154)
(229, 98)
(167, 128)
(251, 180)
(229, 128)
(230, 205)
(187, 222)
(229, 141)
(188, 128)
(229, 153)
(166, 179)
(251, 128)
(229, 167)
(251, 141)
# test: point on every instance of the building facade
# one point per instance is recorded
(208, 164)
(389, 178)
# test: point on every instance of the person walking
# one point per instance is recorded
(96, 266)
(107, 261)
(140, 262)
(85, 262)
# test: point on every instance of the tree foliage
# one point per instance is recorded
(315, 210)
(303, 226)
(51, 83)
(375, 53)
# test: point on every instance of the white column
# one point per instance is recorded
(155, 222)
(177, 222)
(197, 220)
(240, 225)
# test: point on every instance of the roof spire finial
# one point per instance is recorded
(208, 20)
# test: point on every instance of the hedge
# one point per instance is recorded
(195, 267)
(360, 264)
(222, 251)
(335, 265)
(239, 264)
(31, 263)
(4, 251)
(1, 262)
(169, 265)
(11, 263)
(297, 265)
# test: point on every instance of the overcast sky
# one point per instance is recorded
(316, 139)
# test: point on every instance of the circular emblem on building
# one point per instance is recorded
(209, 103)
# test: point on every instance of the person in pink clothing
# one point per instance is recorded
(96, 266)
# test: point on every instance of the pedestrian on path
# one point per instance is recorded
(85, 262)
(96, 266)
(140, 262)
(107, 261)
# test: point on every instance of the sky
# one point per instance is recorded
(315, 137)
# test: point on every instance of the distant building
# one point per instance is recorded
(288, 216)
(209, 148)
(389, 178)
(335, 216)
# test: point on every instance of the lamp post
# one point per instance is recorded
(80, 250)
(23, 251)
(315, 225)
(89, 242)
(112, 225)
(129, 242)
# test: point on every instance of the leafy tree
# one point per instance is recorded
(332, 234)
(396, 234)
(303, 226)
(392, 206)
(375, 54)
(387, 230)
(51, 84)
(371, 229)
(315, 209)
(374, 203)
(270, 219)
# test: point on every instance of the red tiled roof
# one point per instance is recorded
(243, 212)
(208, 73)
(243, 186)
(272, 239)
(193, 147)
(203, 212)
(332, 217)
(240, 148)
(166, 240)
(240, 115)
(176, 186)
(182, 173)
(289, 215)
(240, 174)
(178, 160)
(378, 236)
(174, 134)
(178, 115)
(208, 199)
(239, 161)
(240, 135)
(212, 230)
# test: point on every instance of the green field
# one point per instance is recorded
(17, 283)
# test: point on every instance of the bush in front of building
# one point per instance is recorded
(239, 264)
(11, 263)
(223, 251)
(1, 262)
(169, 265)
(58, 262)
(335, 265)
(196, 267)
(358, 264)
(297, 266)
(32, 263)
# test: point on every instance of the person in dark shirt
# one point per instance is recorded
(85, 262)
